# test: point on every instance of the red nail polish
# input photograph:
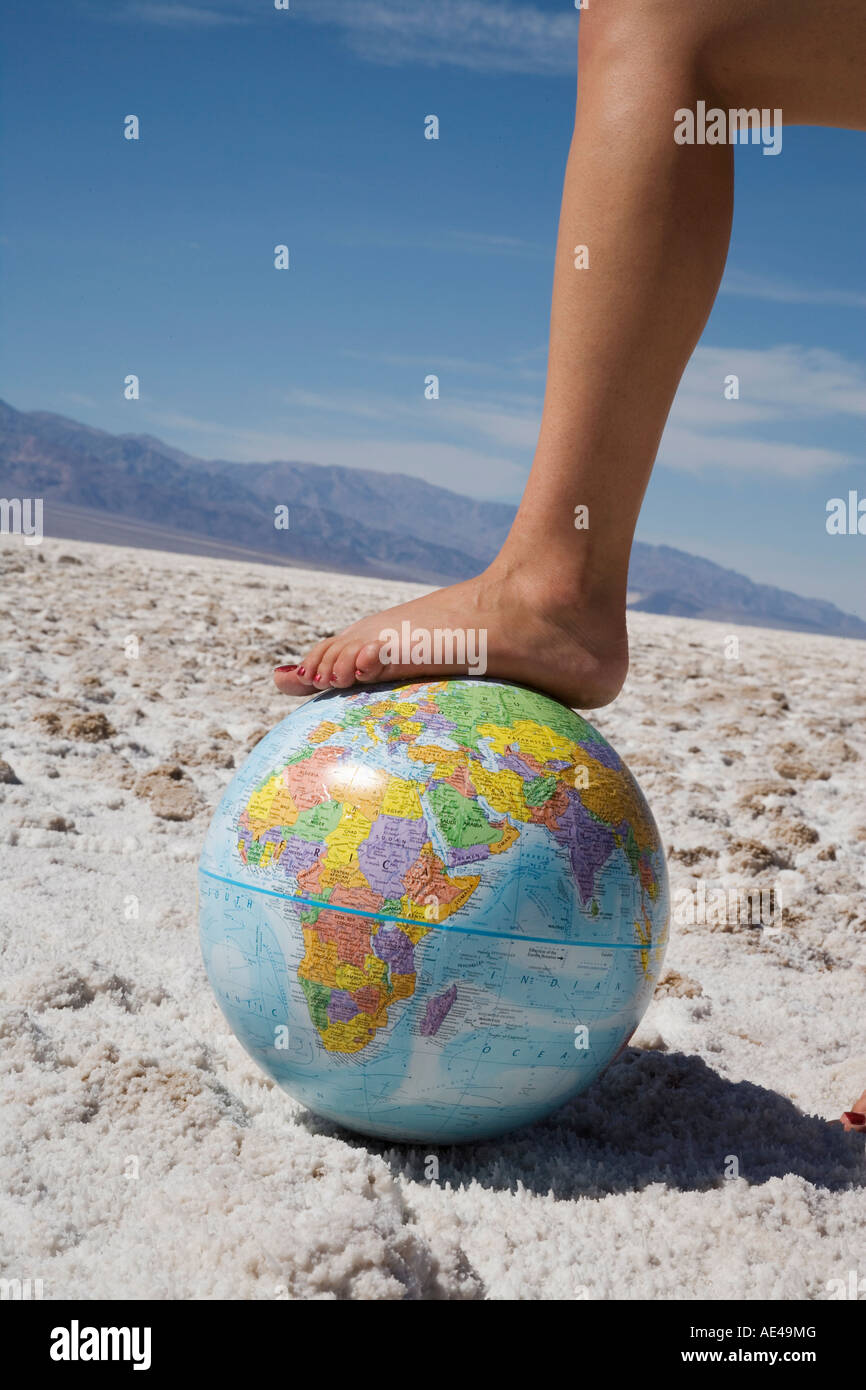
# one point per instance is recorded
(301, 671)
(287, 668)
(855, 1118)
(318, 676)
(359, 675)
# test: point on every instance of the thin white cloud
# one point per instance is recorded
(444, 241)
(497, 38)
(339, 403)
(490, 36)
(172, 16)
(429, 362)
(691, 452)
(532, 354)
(780, 388)
(484, 446)
(515, 426)
(498, 245)
(739, 282)
(516, 429)
(460, 366)
(781, 384)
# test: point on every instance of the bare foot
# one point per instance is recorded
(855, 1120)
(510, 630)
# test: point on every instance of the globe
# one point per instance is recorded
(433, 911)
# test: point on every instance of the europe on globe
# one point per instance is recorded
(433, 911)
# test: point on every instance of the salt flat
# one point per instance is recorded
(145, 1156)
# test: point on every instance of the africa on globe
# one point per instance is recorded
(433, 911)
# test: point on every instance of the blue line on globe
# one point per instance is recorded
(440, 926)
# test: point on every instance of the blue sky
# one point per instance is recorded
(408, 257)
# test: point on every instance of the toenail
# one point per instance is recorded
(855, 1118)
(318, 676)
(359, 675)
(332, 681)
(301, 671)
(287, 668)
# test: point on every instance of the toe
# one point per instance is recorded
(345, 665)
(368, 666)
(321, 674)
(287, 681)
(311, 662)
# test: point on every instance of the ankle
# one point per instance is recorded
(562, 590)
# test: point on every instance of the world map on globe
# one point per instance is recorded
(416, 899)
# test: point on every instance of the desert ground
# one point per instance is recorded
(144, 1155)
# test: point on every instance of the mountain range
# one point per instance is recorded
(136, 490)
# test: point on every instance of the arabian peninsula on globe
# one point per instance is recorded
(433, 911)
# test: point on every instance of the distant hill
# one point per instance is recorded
(133, 489)
(136, 479)
(672, 581)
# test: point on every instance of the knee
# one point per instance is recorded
(648, 38)
(615, 29)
